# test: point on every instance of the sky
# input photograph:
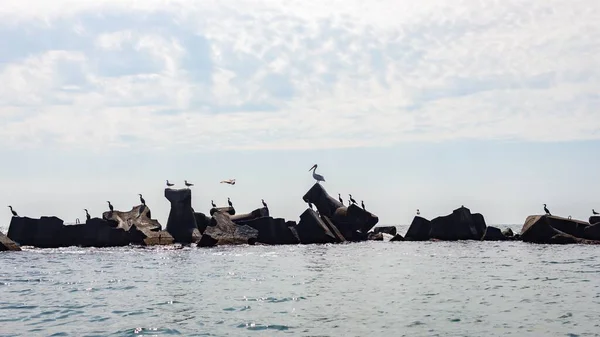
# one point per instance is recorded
(433, 104)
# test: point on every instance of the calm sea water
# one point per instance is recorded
(362, 289)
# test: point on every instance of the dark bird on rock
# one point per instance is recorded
(229, 202)
(594, 212)
(87, 214)
(213, 204)
(340, 198)
(363, 205)
(169, 184)
(264, 203)
(546, 210)
(228, 181)
(188, 184)
(110, 206)
(13, 211)
(352, 199)
(142, 200)
(418, 212)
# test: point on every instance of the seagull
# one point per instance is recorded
(340, 198)
(188, 184)
(13, 211)
(229, 202)
(110, 206)
(317, 177)
(594, 212)
(546, 210)
(87, 215)
(363, 205)
(169, 184)
(213, 204)
(142, 200)
(229, 181)
(352, 199)
(418, 212)
(264, 203)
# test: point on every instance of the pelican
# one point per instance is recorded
(213, 204)
(229, 181)
(142, 200)
(110, 206)
(169, 184)
(340, 198)
(188, 184)
(363, 205)
(264, 203)
(546, 210)
(87, 214)
(352, 199)
(13, 211)
(418, 212)
(317, 177)
(229, 202)
(594, 212)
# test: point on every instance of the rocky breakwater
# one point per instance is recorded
(7, 244)
(559, 230)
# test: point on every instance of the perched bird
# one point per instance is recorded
(110, 206)
(340, 198)
(352, 199)
(594, 212)
(546, 210)
(229, 181)
(188, 184)
(317, 177)
(418, 212)
(213, 204)
(87, 214)
(363, 205)
(264, 203)
(142, 200)
(13, 211)
(169, 184)
(229, 202)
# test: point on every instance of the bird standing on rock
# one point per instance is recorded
(87, 214)
(264, 203)
(340, 198)
(594, 212)
(363, 205)
(213, 204)
(188, 184)
(110, 206)
(317, 177)
(13, 211)
(418, 212)
(229, 202)
(142, 200)
(546, 210)
(352, 199)
(169, 184)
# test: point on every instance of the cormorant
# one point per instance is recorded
(87, 214)
(264, 203)
(188, 184)
(229, 202)
(110, 206)
(142, 200)
(352, 199)
(13, 211)
(317, 177)
(363, 205)
(340, 198)
(169, 184)
(213, 204)
(418, 212)
(546, 210)
(594, 212)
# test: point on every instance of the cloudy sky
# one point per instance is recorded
(429, 104)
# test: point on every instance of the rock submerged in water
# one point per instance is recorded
(7, 244)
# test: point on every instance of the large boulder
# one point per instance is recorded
(7, 244)
(339, 237)
(493, 234)
(272, 231)
(140, 216)
(46, 232)
(149, 238)
(222, 231)
(419, 230)
(98, 233)
(460, 225)
(391, 230)
(594, 219)
(202, 221)
(555, 229)
(182, 220)
(312, 229)
(326, 205)
(354, 222)
(592, 232)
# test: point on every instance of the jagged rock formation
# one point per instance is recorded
(460, 225)
(272, 231)
(182, 218)
(312, 229)
(7, 244)
(555, 229)
(223, 231)
(419, 230)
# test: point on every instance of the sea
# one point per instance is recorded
(467, 288)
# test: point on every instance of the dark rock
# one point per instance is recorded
(375, 236)
(139, 216)
(98, 233)
(460, 225)
(201, 221)
(493, 234)
(386, 229)
(563, 239)
(255, 214)
(46, 232)
(7, 244)
(182, 220)
(326, 205)
(397, 237)
(419, 230)
(592, 232)
(222, 231)
(272, 231)
(228, 210)
(150, 238)
(594, 219)
(543, 228)
(312, 229)
(353, 222)
(508, 233)
(333, 229)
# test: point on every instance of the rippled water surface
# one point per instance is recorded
(363, 289)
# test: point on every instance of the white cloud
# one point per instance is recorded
(300, 74)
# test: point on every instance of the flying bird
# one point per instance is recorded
(317, 177)
(229, 202)
(352, 199)
(142, 200)
(188, 184)
(264, 203)
(169, 184)
(213, 204)
(87, 214)
(110, 206)
(13, 211)
(594, 212)
(340, 198)
(363, 205)
(228, 181)
(546, 210)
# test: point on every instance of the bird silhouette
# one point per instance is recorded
(187, 184)
(315, 175)
(228, 181)
(352, 199)
(546, 210)
(110, 206)
(340, 198)
(169, 184)
(418, 212)
(363, 205)
(142, 200)
(87, 214)
(264, 203)
(229, 202)
(13, 211)
(213, 204)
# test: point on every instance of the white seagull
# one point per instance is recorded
(229, 181)
(317, 177)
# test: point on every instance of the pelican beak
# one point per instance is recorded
(313, 167)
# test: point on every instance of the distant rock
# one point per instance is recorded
(140, 216)
(386, 229)
(272, 231)
(182, 219)
(460, 225)
(312, 229)
(419, 230)
(554, 229)
(325, 204)
(493, 234)
(594, 219)
(222, 231)
(7, 244)
(508, 233)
